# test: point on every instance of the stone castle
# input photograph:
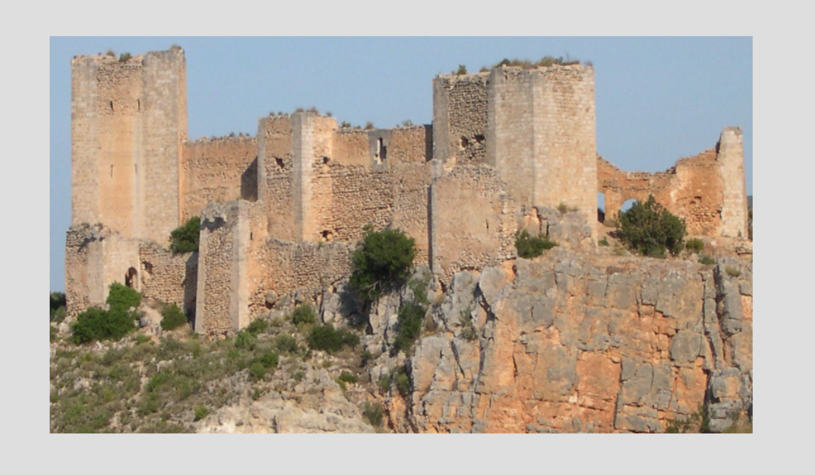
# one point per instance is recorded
(282, 212)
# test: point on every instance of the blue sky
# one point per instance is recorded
(658, 99)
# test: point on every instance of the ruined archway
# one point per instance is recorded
(131, 278)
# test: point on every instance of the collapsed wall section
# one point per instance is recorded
(708, 190)
(219, 170)
(472, 221)
(460, 118)
(95, 257)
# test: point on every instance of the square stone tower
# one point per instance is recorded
(129, 119)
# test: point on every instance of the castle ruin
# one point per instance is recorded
(282, 212)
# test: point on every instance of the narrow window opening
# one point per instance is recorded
(279, 162)
(111, 106)
(138, 104)
(381, 149)
(111, 171)
(464, 142)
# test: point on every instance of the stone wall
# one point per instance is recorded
(706, 190)
(95, 257)
(296, 272)
(472, 221)
(218, 170)
(460, 118)
(167, 277)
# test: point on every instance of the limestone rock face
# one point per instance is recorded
(310, 408)
(572, 342)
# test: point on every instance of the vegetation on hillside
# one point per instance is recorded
(112, 324)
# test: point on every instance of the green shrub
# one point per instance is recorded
(201, 412)
(563, 208)
(258, 325)
(403, 383)
(142, 339)
(695, 245)
(698, 422)
(374, 413)
(381, 263)
(468, 331)
(97, 324)
(57, 304)
(124, 57)
(185, 237)
(529, 247)
(245, 341)
(408, 325)
(706, 260)
(257, 370)
(269, 359)
(462, 70)
(286, 344)
(122, 297)
(326, 338)
(650, 229)
(732, 271)
(54, 332)
(603, 242)
(347, 377)
(172, 317)
(303, 314)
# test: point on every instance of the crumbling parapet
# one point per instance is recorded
(734, 194)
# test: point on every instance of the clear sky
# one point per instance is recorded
(657, 99)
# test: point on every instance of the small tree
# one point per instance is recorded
(122, 297)
(650, 229)
(185, 238)
(382, 262)
(173, 317)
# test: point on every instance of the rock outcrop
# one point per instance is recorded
(579, 342)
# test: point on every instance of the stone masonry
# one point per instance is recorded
(283, 211)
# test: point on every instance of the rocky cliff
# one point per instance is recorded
(578, 342)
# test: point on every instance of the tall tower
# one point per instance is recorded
(128, 122)
(541, 135)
